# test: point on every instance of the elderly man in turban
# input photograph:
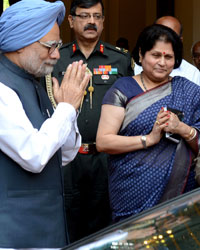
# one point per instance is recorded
(35, 139)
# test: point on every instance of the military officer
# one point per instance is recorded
(86, 187)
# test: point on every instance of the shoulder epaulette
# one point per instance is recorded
(66, 45)
(125, 50)
(121, 50)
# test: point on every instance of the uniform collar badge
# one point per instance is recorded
(101, 48)
(74, 47)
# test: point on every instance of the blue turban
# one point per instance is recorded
(27, 21)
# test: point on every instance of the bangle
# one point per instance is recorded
(195, 134)
(191, 131)
(143, 140)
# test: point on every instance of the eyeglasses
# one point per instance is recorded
(52, 45)
(87, 16)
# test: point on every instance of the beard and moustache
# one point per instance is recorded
(45, 68)
(32, 65)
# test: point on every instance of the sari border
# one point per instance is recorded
(139, 103)
(179, 173)
(184, 161)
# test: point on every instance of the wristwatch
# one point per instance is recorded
(143, 140)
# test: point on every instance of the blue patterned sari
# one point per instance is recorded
(141, 179)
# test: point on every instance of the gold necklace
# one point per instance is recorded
(141, 78)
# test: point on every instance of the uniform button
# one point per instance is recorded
(86, 121)
(87, 100)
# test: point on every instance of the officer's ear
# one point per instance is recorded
(70, 19)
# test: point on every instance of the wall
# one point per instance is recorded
(184, 12)
(66, 32)
(196, 20)
(189, 14)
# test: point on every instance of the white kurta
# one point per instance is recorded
(32, 148)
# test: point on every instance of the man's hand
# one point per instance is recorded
(73, 84)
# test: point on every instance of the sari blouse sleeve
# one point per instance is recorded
(121, 92)
(115, 97)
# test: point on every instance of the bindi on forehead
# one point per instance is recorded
(162, 52)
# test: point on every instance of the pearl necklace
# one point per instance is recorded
(141, 78)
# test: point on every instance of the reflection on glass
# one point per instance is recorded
(174, 226)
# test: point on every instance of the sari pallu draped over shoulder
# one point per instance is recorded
(141, 179)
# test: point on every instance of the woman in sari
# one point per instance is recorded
(150, 127)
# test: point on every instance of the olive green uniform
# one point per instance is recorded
(85, 178)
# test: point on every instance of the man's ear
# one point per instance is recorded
(70, 19)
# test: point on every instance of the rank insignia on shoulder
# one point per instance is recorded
(105, 70)
(125, 50)
(122, 49)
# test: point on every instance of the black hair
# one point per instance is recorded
(84, 4)
(156, 32)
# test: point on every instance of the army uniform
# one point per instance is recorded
(85, 178)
